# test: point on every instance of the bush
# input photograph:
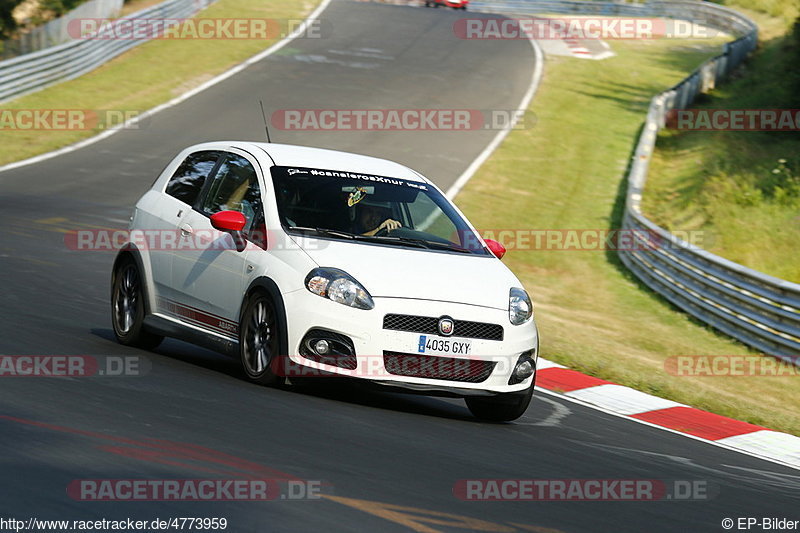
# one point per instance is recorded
(793, 54)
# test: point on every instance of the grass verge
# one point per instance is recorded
(740, 188)
(148, 75)
(567, 173)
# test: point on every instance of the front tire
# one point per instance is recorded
(259, 340)
(501, 408)
(128, 307)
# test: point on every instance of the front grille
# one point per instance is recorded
(447, 368)
(430, 325)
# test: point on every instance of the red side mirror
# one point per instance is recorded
(228, 221)
(496, 248)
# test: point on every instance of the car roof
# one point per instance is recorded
(287, 155)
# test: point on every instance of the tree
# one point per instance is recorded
(7, 22)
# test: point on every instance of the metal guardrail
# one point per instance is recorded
(56, 31)
(712, 15)
(754, 308)
(533, 7)
(33, 72)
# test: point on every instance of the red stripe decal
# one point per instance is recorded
(193, 308)
(216, 324)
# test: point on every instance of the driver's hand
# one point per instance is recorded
(389, 224)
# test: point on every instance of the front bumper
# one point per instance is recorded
(371, 342)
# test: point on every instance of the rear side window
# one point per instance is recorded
(234, 188)
(188, 180)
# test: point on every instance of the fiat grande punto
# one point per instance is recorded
(304, 262)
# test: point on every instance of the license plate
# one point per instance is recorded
(431, 344)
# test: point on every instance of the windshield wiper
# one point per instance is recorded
(354, 236)
(324, 231)
(444, 245)
(388, 239)
(423, 243)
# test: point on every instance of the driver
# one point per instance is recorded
(370, 216)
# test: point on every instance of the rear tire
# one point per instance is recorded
(128, 307)
(501, 408)
(259, 340)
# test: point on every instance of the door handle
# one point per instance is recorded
(186, 230)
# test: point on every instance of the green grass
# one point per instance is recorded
(568, 173)
(146, 76)
(783, 10)
(741, 189)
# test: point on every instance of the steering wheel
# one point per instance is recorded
(383, 232)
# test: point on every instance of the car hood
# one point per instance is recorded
(403, 272)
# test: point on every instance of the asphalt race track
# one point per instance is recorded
(387, 462)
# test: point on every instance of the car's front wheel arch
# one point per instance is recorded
(129, 252)
(130, 301)
(267, 287)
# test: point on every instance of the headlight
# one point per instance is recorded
(339, 286)
(520, 308)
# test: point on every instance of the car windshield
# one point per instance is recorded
(369, 208)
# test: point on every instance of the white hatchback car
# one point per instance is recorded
(309, 262)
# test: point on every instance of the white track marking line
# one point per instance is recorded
(718, 443)
(536, 78)
(177, 100)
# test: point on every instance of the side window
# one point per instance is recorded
(235, 188)
(188, 180)
(257, 234)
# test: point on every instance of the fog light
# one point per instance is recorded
(321, 347)
(524, 370)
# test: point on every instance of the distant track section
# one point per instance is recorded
(33, 72)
